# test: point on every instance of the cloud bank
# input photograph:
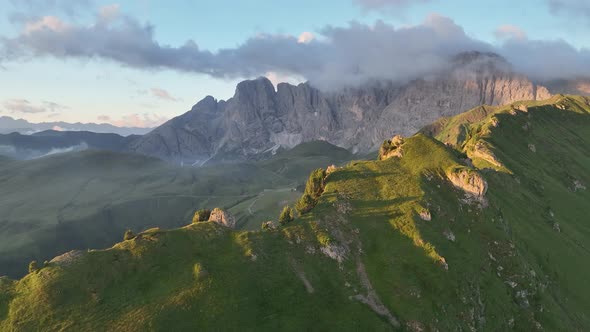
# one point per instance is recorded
(25, 106)
(567, 8)
(145, 120)
(329, 58)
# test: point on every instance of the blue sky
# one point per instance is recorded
(95, 88)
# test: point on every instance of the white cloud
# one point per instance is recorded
(109, 12)
(275, 78)
(509, 31)
(145, 120)
(305, 37)
(51, 23)
(162, 94)
(25, 106)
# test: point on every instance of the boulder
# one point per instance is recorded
(470, 182)
(223, 218)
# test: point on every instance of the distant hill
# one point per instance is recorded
(9, 125)
(478, 223)
(49, 142)
(88, 198)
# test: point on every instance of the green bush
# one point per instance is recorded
(128, 235)
(305, 204)
(201, 215)
(315, 183)
(286, 215)
(313, 190)
(33, 266)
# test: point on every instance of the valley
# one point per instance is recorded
(87, 199)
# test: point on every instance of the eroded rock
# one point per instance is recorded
(470, 182)
(391, 148)
(223, 218)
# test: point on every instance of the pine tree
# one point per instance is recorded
(286, 215)
(33, 266)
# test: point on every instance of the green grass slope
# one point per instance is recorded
(88, 199)
(488, 232)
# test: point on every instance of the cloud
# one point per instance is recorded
(306, 37)
(162, 94)
(25, 106)
(334, 57)
(68, 7)
(545, 60)
(568, 8)
(275, 78)
(509, 31)
(110, 12)
(51, 23)
(145, 120)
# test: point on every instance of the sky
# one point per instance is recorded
(142, 62)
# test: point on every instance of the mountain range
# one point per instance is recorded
(260, 118)
(10, 125)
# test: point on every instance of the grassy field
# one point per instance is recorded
(401, 244)
(88, 199)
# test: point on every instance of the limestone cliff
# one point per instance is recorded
(261, 119)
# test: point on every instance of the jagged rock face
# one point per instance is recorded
(223, 218)
(259, 118)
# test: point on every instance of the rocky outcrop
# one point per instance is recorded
(67, 258)
(470, 182)
(259, 119)
(223, 218)
(391, 148)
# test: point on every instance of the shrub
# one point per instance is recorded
(305, 204)
(128, 235)
(286, 215)
(313, 190)
(315, 183)
(33, 266)
(201, 215)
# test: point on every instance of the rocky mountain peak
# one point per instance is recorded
(259, 119)
(260, 88)
(208, 104)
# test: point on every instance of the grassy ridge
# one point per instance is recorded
(390, 245)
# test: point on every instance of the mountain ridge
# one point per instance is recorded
(9, 125)
(259, 117)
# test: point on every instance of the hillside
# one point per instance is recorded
(88, 199)
(486, 232)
